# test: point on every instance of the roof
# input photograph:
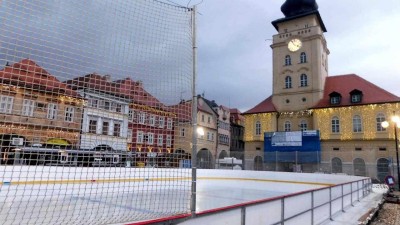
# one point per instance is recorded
(344, 84)
(263, 107)
(28, 74)
(95, 82)
(183, 111)
(316, 12)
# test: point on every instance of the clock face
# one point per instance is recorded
(294, 45)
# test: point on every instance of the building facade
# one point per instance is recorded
(36, 109)
(237, 134)
(105, 116)
(346, 111)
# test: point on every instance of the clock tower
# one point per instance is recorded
(300, 57)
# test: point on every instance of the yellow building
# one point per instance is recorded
(346, 111)
(36, 109)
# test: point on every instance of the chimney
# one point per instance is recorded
(107, 77)
(139, 83)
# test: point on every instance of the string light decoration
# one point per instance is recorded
(368, 114)
(266, 120)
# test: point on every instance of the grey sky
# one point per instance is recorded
(235, 60)
(74, 37)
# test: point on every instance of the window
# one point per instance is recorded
(160, 140)
(356, 96)
(107, 105)
(27, 107)
(117, 129)
(303, 80)
(288, 126)
(202, 118)
(169, 123)
(212, 136)
(93, 103)
(92, 126)
(161, 122)
(379, 119)
(288, 60)
(139, 137)
(150, 138)
(335, 98)
(182, 133)
(357, 125)
(208, 136)
(129, 135)
(335, 125)
(131, 115)
(303, 125)
(382, 148)
(152, 120)
(105, 127)
(303, 57)
(258, 128)
(69, 113)
(169, 141)
(288, 82)
(142, 118)
(52, 111)
(209, 119)
(336, 149)
(358, 149)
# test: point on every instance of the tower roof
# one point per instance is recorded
(293, 9)
(297, 7)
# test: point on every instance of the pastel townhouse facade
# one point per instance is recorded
(150, 125)
(345, 112)
(105, 114)
(36, 109)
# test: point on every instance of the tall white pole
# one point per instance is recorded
(194, 116)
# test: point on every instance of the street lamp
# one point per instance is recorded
(385, 124)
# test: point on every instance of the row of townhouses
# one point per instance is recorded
(93, 112)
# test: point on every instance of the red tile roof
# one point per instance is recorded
(344, 84)
(263, 107)
(27, 74)
(183, 111)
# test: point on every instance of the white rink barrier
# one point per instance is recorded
(312, 206)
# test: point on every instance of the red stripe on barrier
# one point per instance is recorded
(181, 216)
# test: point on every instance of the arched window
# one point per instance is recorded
(288, 82)
(382, 168)
(357, 125)
(359, 167)
(258, 128)
(288, 60)
(303, 57)
(303, 80)
(379, 119)
(337, 165)
(303, 125)
(288, 126)
(335, 125)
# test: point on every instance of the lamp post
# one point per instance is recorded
(396, 123)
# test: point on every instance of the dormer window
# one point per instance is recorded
(356, 96)
(335, 98)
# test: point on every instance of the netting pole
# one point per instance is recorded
(194, 116)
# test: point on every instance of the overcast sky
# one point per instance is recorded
(235, 64)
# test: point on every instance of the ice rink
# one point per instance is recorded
(69, 195)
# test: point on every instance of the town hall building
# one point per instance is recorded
(314, 121)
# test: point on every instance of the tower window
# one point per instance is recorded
(288, 60)
(288, 126)
(303, 80)
(303, 125)
(288, 82)
(303, 57)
